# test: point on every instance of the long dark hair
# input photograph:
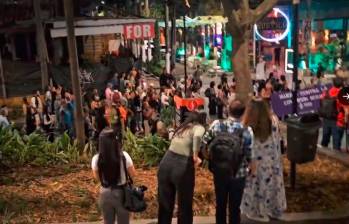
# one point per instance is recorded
(258, 117)
(191, 119)
(110, 157)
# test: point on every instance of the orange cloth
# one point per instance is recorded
(190, 103)
(123, 114)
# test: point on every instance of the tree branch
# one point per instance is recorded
(245, 7)
(263, 9)
(233, 17)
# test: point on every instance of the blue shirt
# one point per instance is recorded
(233, 125)
(4, 122)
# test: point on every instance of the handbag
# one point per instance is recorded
(133, 196)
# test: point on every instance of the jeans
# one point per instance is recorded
(111, 203)
(176, 175)
(331, 129)
(228, 190)
(220, 111)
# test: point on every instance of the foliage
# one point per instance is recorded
(145, 151)
(154, 67)
(157, 11)
(168, 115)
(36, 149)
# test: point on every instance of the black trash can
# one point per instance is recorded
(302, 138)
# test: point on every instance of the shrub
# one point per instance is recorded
(36, 149)
(145, 151)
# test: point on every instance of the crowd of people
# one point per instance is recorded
(254, 187)
(242, 142)
(127, 96)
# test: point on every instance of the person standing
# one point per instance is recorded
(212, 97)
(29, 117)
(176, 176)
(3, 119)
(332, 112)
(261, 70)
(229, 186)
(48, 99)
(221, 101)
(264, 195)
(109, 167)
(109, 92)
(36, 102)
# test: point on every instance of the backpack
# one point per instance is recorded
(226, 152)
(328, 107)
(208, 92)
(195, 85)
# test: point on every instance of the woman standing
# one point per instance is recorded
(264, 195)
(220, 101)
(177, 173)
(211, 94)
(108, 167)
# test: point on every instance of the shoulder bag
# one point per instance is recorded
(133, 196)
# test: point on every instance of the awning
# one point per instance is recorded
(96, 27)
(197, 21)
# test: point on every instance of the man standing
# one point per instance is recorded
(332, 112)
(229, 139)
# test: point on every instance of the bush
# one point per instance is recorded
(36, 149)
(168, 115)
(145, 151)
(155, 67)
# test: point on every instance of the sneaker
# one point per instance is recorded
(258, 218)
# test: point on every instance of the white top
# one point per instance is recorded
(33, 103)
(260, 71)
(129, 163)
(48, 96)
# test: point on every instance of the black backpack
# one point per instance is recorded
(328, 107)
(226, 152)
(208, 92)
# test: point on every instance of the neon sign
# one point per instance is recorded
(277, 38)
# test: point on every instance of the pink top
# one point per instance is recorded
(108, 94)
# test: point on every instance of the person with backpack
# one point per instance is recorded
(264, 194)
(333, 116)
(176, 176)
(109, 167)
(229, 146)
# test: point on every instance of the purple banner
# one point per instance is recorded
(308, 101)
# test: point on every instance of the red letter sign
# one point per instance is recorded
(139, 31)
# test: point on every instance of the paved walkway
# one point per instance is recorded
(211, 220)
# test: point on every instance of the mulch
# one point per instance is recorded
(69, 193)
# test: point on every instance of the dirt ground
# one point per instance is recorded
(69, 194)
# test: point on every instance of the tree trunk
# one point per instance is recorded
(41, 45)
(241, 68)
(74, 72)
(146, 8)
(2, 77)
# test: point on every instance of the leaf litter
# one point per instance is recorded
(69, 194)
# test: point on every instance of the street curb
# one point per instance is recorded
(341, 157)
